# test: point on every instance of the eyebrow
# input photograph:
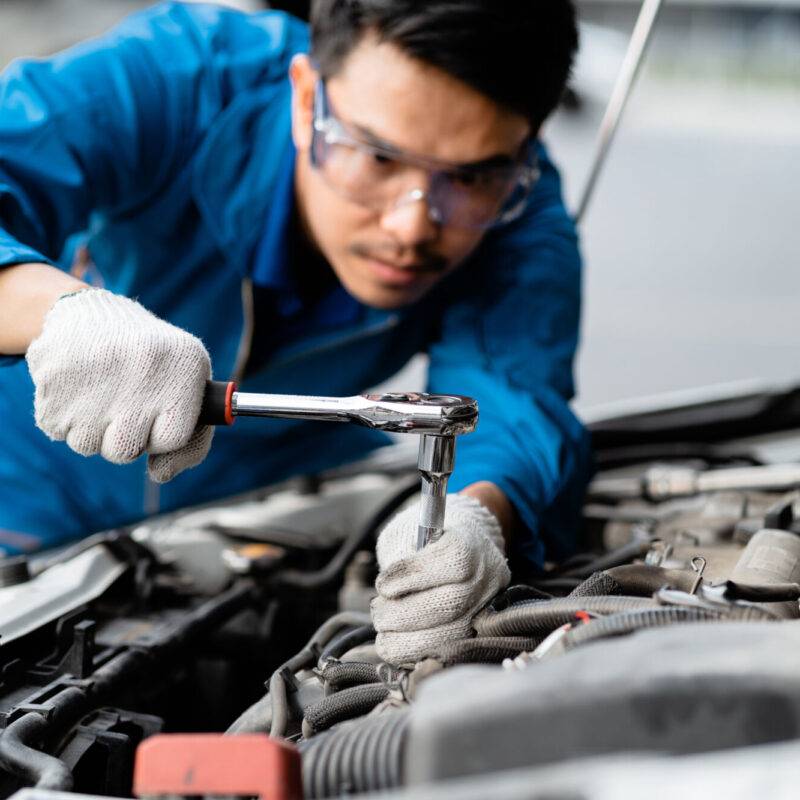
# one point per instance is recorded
(490, 162)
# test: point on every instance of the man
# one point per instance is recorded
(305, 224)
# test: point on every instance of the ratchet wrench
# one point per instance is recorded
(436, 419)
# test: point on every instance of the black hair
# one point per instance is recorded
(518, 53)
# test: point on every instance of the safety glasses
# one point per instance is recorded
(383, 178)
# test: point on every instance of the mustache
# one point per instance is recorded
(421, 261)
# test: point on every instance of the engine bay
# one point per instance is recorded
(656, 660)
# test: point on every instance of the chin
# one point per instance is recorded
(386, 298)
(382, 291)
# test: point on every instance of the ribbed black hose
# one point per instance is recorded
(341, 674)
(346, 704)
(364, 755)
(539, 617)
(620, 624)
(347, 641)
(597, 585)
(485, 649)
(279, 703)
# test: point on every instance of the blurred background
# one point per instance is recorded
(692, 239)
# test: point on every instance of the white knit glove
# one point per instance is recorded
(429, 597)
(112, 378)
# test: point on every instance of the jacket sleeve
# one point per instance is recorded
(508, 338)
(101, 127)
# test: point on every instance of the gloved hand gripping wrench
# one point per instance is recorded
(436, 419)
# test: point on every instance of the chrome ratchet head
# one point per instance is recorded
(420, 413)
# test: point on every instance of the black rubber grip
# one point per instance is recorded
(216, 408)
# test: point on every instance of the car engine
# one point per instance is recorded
(659, 659)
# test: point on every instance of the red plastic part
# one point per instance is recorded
(208, 763)
(229, 403)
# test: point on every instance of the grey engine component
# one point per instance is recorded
(685, 689)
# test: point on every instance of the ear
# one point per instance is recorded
(304, 78)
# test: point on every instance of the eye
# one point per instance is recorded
(474, 181)
(381, 159)
(465, 179)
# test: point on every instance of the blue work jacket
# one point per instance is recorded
(165, 144)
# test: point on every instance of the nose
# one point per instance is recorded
(410, 220)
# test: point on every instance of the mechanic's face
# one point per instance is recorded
(390, 253)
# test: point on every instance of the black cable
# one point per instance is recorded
(347, 641)
(484, 650)
(621, 624)
(354, 542)
(539, 617)
(307, 657)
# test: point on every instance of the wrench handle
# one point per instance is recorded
(217, 408)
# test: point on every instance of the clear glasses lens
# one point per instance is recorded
(373, 178)
(354, 171)
(477, 201)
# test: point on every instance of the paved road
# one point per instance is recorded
(692, 243)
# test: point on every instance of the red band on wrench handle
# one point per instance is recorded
(217, 408)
